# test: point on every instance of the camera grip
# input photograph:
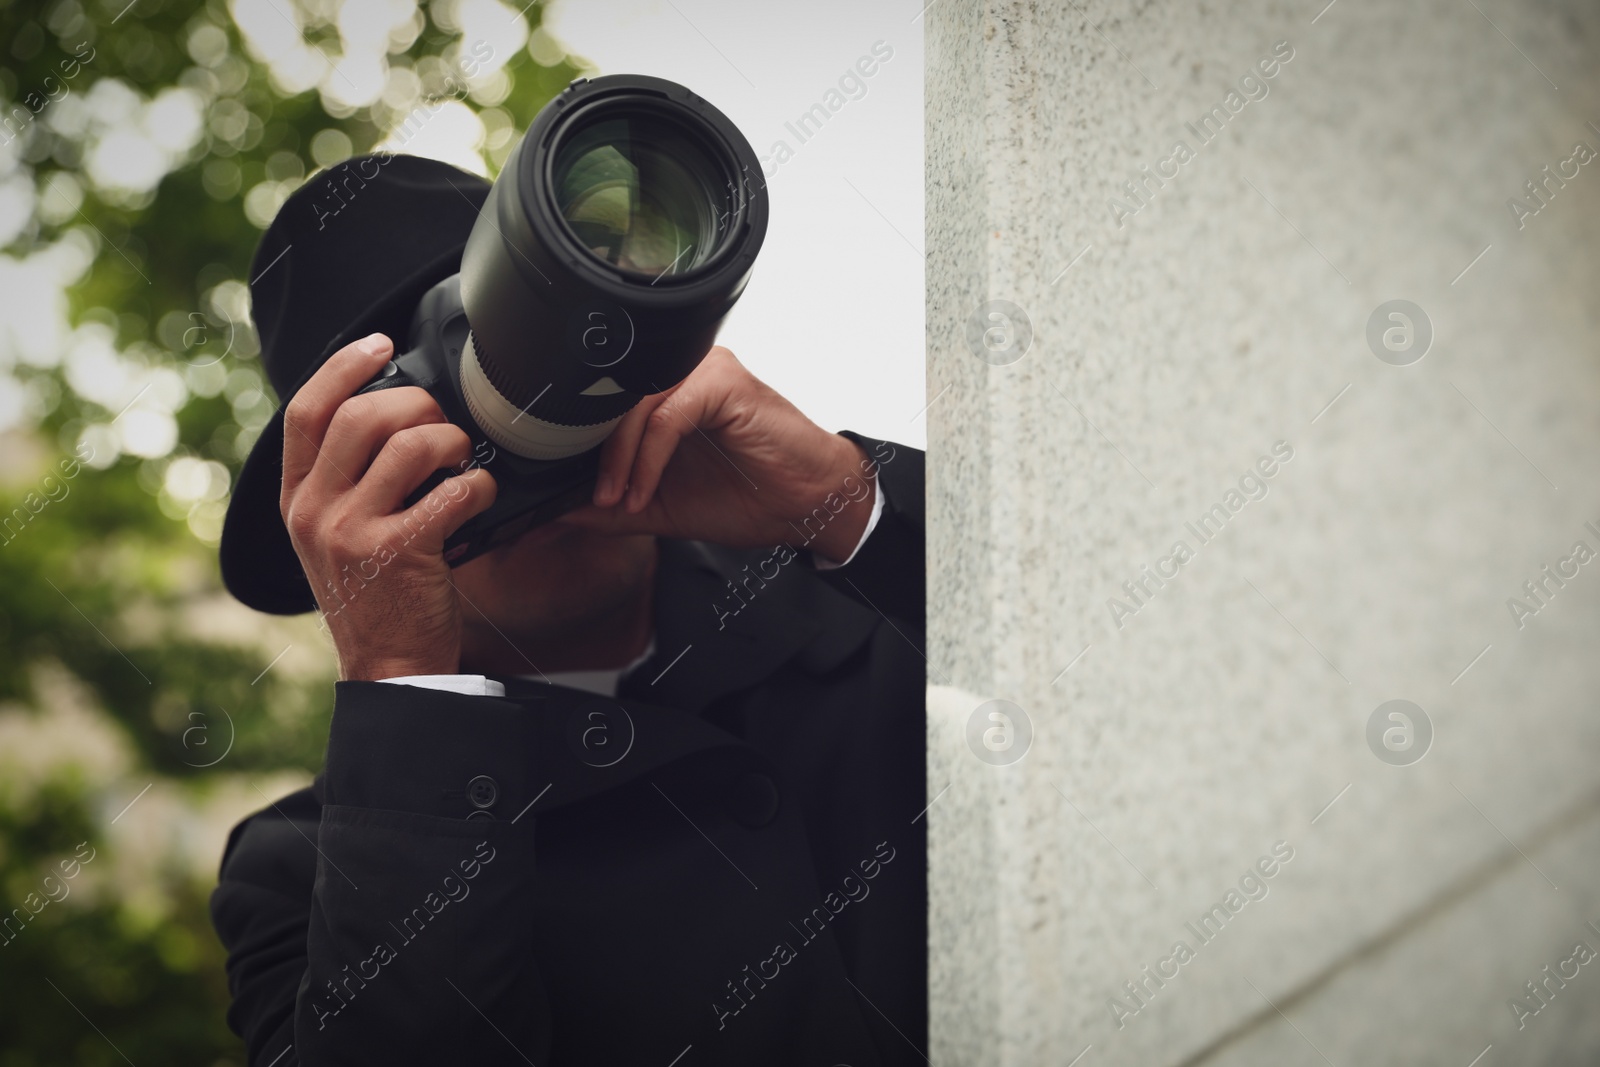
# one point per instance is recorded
(390, 377)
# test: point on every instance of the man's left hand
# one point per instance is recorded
(722, 457)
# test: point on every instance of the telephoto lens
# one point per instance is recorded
(619, 234)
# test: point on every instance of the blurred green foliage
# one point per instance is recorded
(110, 574)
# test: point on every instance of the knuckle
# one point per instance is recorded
(427, 440)
(660, 419)
(351, 415)
(407, 444)
(422, 402)
(455, 440)
(301, 521)
(340, 533)
(297, 413)
(468, 486)
(407, 405)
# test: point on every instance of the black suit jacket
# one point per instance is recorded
(723, 865)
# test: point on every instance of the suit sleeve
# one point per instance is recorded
(390, 925)
(889, 572)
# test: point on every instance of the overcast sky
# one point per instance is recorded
(833, 317)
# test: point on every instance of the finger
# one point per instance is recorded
(360, 428)
(613, 520)
(429, 522)
(617, 454)
(408, 457)
(664, 428)
(308, 413)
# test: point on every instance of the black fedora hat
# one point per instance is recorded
(348, 254)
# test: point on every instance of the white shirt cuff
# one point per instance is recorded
(877, 510)
(472, 685)
(477, 685)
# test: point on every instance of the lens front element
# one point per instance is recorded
(641, 196)
(619, 234)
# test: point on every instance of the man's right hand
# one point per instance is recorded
(377, 568)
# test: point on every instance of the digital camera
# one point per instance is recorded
(619, 234)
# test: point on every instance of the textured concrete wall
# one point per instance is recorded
(1174, 741)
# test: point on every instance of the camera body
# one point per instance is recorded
(530, 492)
(619, 234)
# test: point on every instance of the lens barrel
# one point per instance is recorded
(619, 234)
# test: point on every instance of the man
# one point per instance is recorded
(643, 786)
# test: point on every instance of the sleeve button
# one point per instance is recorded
(482, 792)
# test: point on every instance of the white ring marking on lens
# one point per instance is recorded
(512, 428)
